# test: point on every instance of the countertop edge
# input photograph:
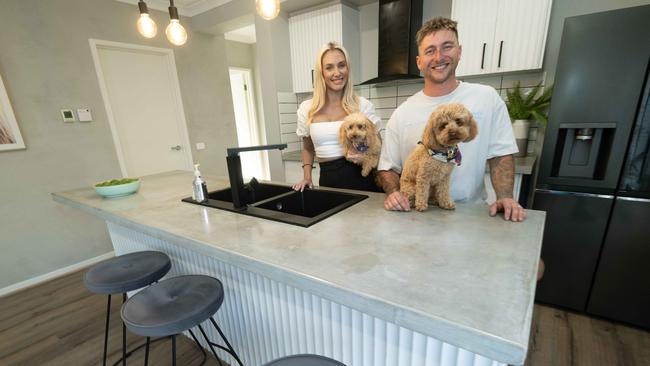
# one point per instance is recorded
(485, 344)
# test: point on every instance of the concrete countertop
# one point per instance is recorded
(459, 276)
(523, 165)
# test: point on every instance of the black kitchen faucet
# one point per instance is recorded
(234, 169)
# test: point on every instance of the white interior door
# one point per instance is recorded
(254, 163)
(142, 99)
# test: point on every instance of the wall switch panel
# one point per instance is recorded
(84, 115)
(67, 115)
(200, 145)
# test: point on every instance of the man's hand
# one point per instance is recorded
(511, 209)
(397, 201)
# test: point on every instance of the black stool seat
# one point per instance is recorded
(304, 360)
(127, 272)
(173, 306)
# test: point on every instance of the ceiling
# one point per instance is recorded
(190, 8)
(246, 33)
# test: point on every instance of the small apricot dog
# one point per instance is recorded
(358, 135)
(427, 170)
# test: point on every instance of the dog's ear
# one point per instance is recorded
(473, 129)
(428, 138)
(343, 138)
(373, 135)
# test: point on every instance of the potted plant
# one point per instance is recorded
(524, 107)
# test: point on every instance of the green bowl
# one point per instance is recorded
(118, 190)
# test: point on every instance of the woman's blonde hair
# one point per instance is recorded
(350, 102)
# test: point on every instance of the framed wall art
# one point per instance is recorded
(10, 137)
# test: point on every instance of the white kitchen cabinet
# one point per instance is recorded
(310, 30)
(501, 35)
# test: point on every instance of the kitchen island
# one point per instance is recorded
(365, 286)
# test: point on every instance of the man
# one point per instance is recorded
(438, 56)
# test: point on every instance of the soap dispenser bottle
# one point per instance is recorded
(200, 189)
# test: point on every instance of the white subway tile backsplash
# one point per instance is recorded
(401, 100)
(385, 113)
(526, 80)
(383, 91)
(294, 146)
(384, 102)
(406, 90)
(288, 107)
(284, 97)
(289, 137)
(288, 128)
(362, 91)
(493, 81)
(289, 117)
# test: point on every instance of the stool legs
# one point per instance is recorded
(123, 335)
(174, 350)
(146, 352)
(230, 349)
(108, 318)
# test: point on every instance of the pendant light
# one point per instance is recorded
(175, 32)
(145, 25)
(268, 9)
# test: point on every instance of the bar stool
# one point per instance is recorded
(173, 306)
(122, 274)
(304, 360)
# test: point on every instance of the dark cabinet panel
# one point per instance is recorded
(622, 284)
(573, 234)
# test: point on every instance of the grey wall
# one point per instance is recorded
(564, 9)
(273, 58)
(46, 65)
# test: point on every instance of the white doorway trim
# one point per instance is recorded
(254, 125)
(96, 44)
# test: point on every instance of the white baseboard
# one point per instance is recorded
(54, 274)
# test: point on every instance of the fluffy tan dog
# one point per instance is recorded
(358, 135)
(426, 173)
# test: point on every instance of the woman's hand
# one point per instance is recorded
(300, 186)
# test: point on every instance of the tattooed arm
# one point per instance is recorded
(502, 175)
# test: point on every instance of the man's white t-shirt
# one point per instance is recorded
(495, 136)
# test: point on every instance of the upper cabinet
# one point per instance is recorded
(501, 35)
(310, 30)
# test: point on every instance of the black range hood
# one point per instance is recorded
(399, 21)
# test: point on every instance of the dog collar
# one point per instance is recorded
(362, 147)
(449, 155)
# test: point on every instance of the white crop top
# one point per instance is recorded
(325, 135)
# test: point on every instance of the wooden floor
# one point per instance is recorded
(61, 323)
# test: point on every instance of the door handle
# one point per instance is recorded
(500, 50)
(177, 147)
(483, 56)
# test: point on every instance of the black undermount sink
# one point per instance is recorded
(272, 201)
(282, 203)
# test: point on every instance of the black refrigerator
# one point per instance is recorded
(594, 180)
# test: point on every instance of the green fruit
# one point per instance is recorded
(116, 182)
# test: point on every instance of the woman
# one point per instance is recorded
(319, 120)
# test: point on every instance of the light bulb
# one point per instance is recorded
(146, 26)
(175, 32)
(268, 9)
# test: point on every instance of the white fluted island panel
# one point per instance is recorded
(265, 319)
